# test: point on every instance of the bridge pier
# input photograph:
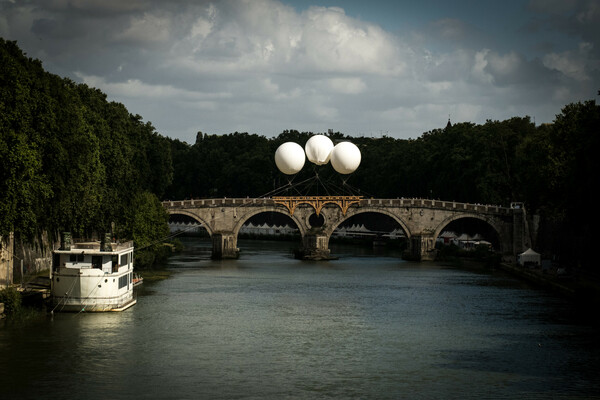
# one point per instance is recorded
(421, 248)
(520, 234)
(315, 246)
(224, 246)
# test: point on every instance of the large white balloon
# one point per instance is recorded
(289, 158)
(345, 157)
(318, 149)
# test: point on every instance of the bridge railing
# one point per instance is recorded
(216, 202)
(398, 202)
(429, 203)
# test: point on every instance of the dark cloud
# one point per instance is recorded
(262, 66)
(576, 18)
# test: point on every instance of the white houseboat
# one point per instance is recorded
(92, 276)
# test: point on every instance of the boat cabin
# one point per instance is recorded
(93, 275)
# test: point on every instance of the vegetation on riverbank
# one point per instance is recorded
(11, 299)
(15, 309)
(455, 255)
(155, 274)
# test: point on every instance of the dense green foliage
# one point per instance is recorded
(462, 162)
(71, 160)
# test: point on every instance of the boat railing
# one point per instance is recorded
(82, 244)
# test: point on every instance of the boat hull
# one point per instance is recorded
(91, 307)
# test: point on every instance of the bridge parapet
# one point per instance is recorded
(437, 204)
(217, 202)
(401, 202)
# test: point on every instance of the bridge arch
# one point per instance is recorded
(193, 215)
(487, 221)
(373, 210)
(247, 215)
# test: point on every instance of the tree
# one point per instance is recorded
(69, 159)
(23, 188)
(146, 224)
(573, 157)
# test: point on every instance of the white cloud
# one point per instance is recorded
(136, 89)
(347, 85)
(479, 69)
(571, 63)
(147, 28)
(503, 64)
(334, 42)
(268, 36)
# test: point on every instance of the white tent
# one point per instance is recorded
(530, 257)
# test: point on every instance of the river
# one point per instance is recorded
(266, 326)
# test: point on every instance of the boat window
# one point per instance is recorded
(124, 259)
(56, 261)
(73, 258)
(80, 257)
(97, 262)
(114, 260)
(123, 281)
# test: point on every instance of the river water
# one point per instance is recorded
(267, 326)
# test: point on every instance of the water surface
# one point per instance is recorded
(366, 326)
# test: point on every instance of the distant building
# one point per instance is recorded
(360, 231)
(446, 238)
(530, 258)
(265, 229)
(191, 227)
(463, 241)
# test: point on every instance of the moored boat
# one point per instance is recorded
(92, 275)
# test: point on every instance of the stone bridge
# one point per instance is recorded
(421, 219)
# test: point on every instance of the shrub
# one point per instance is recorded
(12, 301)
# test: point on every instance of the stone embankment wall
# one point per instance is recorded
(6, 260)
(36, 256)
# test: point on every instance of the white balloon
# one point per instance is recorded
(289, 158)
(345, 157)
(318, 149)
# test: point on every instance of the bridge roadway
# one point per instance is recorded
(421, 219)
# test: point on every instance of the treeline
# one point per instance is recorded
(72, 161)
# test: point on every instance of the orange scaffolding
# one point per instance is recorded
(317, 202)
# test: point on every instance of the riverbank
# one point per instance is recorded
(585, 291)
(154, 275)
(578, 288)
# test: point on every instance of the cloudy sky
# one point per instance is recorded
(364, 68)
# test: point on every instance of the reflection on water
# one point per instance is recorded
(270, 326)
